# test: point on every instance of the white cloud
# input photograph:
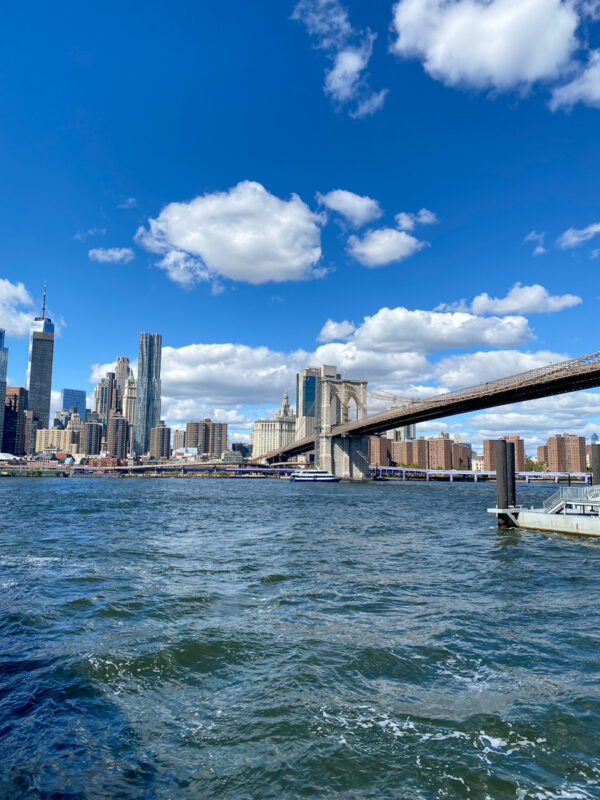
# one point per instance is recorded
(595, 253)
(350, 50)
(112, 255)
(585, 88)
(537, 420)
(16, 310)
(522, 300)
(467, 370)
(98, 371)
(398, 329)
(356, 208)
(574, 237)
(245, 234)
(335, 330)
(81, 235)
(497, 44)
(130, 202)
(223, 374)
(408, 222)
(539, 239)
(383, 246)
(519, 300)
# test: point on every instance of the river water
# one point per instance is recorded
(182, 638)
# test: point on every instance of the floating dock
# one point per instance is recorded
(572, 509)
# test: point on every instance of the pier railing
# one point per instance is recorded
(565, 494)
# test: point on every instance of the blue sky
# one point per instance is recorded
(171, 170)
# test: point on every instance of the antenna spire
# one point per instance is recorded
(44, 303)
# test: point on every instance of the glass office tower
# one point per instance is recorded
(39, 369)
(147, 409)
(73, 398)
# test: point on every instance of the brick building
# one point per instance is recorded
(489, 453)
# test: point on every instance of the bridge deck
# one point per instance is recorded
(559, 378)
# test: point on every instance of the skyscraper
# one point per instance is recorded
(147, 411)
(116, 437)
(121, 375)
(39, 372)
(14, 421)
(160, 441)
(3, 369)
(104, 397)
(73, 398)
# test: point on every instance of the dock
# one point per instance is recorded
(572, 510)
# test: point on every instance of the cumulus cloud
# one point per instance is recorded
(245, 234)
(355, 208)
(98, 371)
(112, 255)
(383, 246)
(397, 329)
(498, 44)
(335, 330)
(408, 222)
(522, 300)
(229, 373)
(16, 308)
(519, 300)
(130, 202)
(574, 237)
(466, 370)
(539, 239)
(537, 420)
(350, 51)
(585, 88)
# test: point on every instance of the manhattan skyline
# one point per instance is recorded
(452, 193)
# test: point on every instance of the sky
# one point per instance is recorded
(406, 190)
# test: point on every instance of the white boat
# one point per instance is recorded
(314, 476)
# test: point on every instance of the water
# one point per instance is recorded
(259, 639)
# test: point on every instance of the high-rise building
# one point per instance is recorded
(196, 435)
(90, 439)
(73, 398)
(271, 434)
(308, 401)
(489, 453)
(13, 440)
(147, 411)
(380, 451)
(3, 370)
(414, 452)
(440, 452)
(406, 433)
(178, 440)
(104, 398)
(122, 372)
(129, 400)
(160, 441)
(566, 453)
(39, 373)
(209, 437)
(116, 436)
(217, 442)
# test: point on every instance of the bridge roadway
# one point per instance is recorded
(553, 379)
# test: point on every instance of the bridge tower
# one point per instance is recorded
(347, 456)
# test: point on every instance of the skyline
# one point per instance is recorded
(132, 176)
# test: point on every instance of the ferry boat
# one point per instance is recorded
(314, 476)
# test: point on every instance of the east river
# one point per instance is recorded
(259, 639)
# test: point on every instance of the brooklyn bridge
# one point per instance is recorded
(342, 448)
